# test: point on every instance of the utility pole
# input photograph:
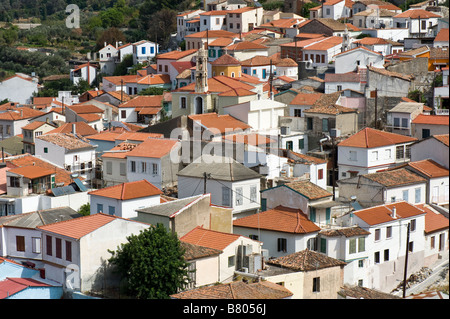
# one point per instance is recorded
(333, 174)
(406, 262)
(376, 108)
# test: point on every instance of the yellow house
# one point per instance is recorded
(437, 57)
(226, 65)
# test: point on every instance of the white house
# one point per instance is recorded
(282, 230)
(335, 82)
(336, 9)
(75, 251)
(153, 160)
(386, 245)
(315, 167)
(233, 246)
(107, 58)
(419, 22)
(182, 18)
(434, 147)
(301, 102)
(258, 66)
(424, 125)
(21, 239)
(86, 72)
(213, 20)
(67, 151)
(115, 163)
(357, 58)
(230, 183)
(11, 122)
(261, 115)
(244, 19)
(18, 88)
(144, 50)
(30, 131)
(322, 52)
(122, 200)
(371, 150)
(374, 18)
(384, 187)
(437, 177)
(401, 116)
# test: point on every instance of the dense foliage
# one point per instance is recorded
(152, 264)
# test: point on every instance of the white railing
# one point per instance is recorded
(442, 112)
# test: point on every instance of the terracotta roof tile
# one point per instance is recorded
(130, 190)
(383, 213)
(309, 190)
(305, 99)
(154, 148)
(396, 177)
(81, 128)
(306, 260)
(433, 220)
(85, 108)
(442, 36)
(251, 139)
(346, 231)
(280, 219)
(226, 59)
(444, 138)
(370, 138)
(62, 176)
(32, 171)
(219, 122)
(416, 14)
(209, 238)
(258, 60)
(245, 45)
(237, 290)
(144, 101)
(66, 140)
(324, 44)
(430, 168)
(213, 34)
(20, 113)
(11, 286)
(331, 109)
(120, 150)
(34, 125)
(431, 119)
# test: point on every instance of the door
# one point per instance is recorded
(328, 215)
(441, 242)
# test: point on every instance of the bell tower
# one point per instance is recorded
(201, 72)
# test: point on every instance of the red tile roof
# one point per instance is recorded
(416, 14)
(442, 36)
(144, 101)
(383, 213)
(32, 172)
(306, 260)
(309, 189)
(443, 138)
(280, 219)
(154, 148)
(305, 99)
(226, 59)
(20, 113)
(11, 286)
(209, 238)
(245, 45)
(370, 138)
(395, 177)
(430, 168)
(81, 128)
(219, 122)
(433, 220)
(130, 190)
(79, 227)
(251, 139)
(431, 119)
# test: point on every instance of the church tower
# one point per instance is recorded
(201, 72)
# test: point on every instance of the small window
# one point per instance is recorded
(301, 143)
(361, 263)
(389, 232)
(36, 245)
(377, 257)
(320, 173)
(405, 195)
(289, 145)
(412, 224)
(133, 166)
(417, 195)
(49, 246)
(239, 197)
(225, 196)
(45, 149)
(183, 102)
(122, 169)
(377, 234)
(352, 247)
(123, 114)
(231, 261)
(109, 168)
(253, 194)
(99, 208)
(155, 169)
(68, 250)
(58, 246)
(112, 210)
(297, 112)
(20, 243)
(282, 244)
(361, 244)
(386, 255)
(316, 284)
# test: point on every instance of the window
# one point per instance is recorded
(328, 11)
(405, 123)
(387, 154)
(68, 250)
(311, 244)
(14, 181)
(204, 22)
(412, 224)
(339, 88)
(324, 125)
(122, 169)
(375, 155)
(301, 144)
(225, 196)
(320, 173)
(154, 169)
(143, 167)
(109, 168)
(20, 243)
(417, 195)
(377, 257)
(361, 263)
(424, 24)
(239, 198)
(48, 242)
(377, 234)
(58, 246)
(323, 58)
(316, 284)
(45, 149)
(253, 194)
(309, 123)
(36, 245)
(386, 255)
(282, 244)
(352, 155)
(432, 243)
(408, 151)
(389, 232)
(183, 102)
(323, 245)
(400, 152)
(264, 73)
(411, 247)
(405, 194)
(112, 210)
(360, 282)
(393, 199)
(352, 247)
(123, 114)
(312, 214)
(99, 208)
(133, 166)
(231, 261)
(143, 50)
(298, 113)
(152, 50)
(231, 25)
(425, 132)
(361, 244)
(166, 67)
(317, 58)
(238, 25)
(289, 145)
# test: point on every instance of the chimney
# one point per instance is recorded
(74, 131)
(394, 212)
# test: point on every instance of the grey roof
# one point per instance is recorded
(219, 168)
(406, 107)
(39, 218)
(169, 208)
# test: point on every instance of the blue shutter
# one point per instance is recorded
(328, 215)
(312, 214)
(263, 204)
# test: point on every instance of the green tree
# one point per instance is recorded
(85, 209)
(122, 67)
(152, 264)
